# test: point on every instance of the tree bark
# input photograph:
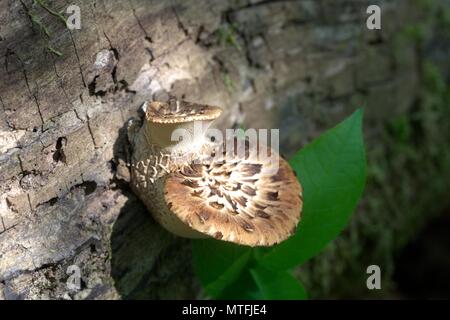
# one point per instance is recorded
(66, 95)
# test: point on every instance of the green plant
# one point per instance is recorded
(332, 170)
(227, 34)
(228, 82)
(36, 20)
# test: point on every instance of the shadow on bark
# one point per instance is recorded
(147, 262)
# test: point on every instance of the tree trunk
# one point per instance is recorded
(66, 96)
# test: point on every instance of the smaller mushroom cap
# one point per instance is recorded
(239, 200)
(176, 111)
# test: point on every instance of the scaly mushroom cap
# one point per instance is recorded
(239, 200)
(176, 111)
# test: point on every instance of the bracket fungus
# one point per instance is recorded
(195, 188)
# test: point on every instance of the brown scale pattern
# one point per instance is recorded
(237, 200)
(180, 111)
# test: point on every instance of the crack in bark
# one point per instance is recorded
(92, 88)
(60, 81)
(20, 164)
(5, 229)
(146, 35)
(29, 202)
(90, 131)
(175, 47)
(110, 44)
(91, 240)
(24, 173)
(10, 52)
(3, 226)
(150, 52)
(6, 118)
(179, 22)
(261, 3)
(77, 115)
(78, 58)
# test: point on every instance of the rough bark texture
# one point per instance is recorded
(296, 65)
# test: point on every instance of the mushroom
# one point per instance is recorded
(195, 189)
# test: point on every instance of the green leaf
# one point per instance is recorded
(276, 285)
(218, 263)
(332, 171)
(243, 288)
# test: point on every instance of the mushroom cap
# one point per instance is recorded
(239, 200)
(176, 111)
